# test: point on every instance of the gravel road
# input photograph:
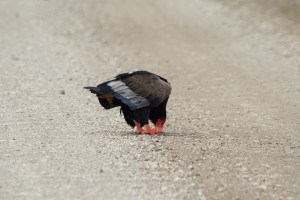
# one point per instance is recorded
(233, 128)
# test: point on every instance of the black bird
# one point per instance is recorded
(142, 96)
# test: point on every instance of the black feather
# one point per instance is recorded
(141, 95)
(94, 90)
(142, 115)
(106, 103)
(128, 115)
(159, 112)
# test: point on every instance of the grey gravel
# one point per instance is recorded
(233, 116)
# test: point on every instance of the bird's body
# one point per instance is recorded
(142, 96)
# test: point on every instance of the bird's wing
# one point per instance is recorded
(138, 90)
(150, 87)
(125, 94)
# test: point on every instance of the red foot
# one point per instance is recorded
(138, 127)
(159, 125)
(151, 131)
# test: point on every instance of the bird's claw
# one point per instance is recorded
(151, 131)
(148, 130)
(138, 127)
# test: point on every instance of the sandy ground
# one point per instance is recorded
(233, 129)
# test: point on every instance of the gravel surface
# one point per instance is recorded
(233, 117)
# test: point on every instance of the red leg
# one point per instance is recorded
(159, 125)
(138, 127)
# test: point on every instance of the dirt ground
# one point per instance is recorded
(233, 128)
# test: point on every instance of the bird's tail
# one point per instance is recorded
(94, 90)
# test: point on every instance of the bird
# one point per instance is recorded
(141, 95)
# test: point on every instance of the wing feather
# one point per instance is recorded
(138, 89)
(150, 87)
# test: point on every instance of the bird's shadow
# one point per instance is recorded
(136, 134)
(163, 134)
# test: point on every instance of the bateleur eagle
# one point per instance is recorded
(142, 96)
